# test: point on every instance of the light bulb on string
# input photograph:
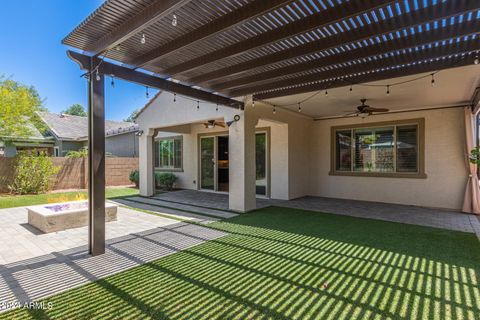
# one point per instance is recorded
(97, 75)
(198, 105)
(388, 89)
(143, 40)
(174, 97)
(432, 82)
(476, 60)
(112, 82)
(147, 94)
(299, 107)
(253, 103)
(216, 109)
(351, 88)
(326, 92)
(274, 109)
(174, 20)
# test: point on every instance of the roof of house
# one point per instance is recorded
(68, 127)
(34, 134)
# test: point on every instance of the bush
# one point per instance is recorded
(81, 153)
(134, 177)
(165, 180)
(32, 173)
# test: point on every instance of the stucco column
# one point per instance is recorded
(145, 150)
(241, 151)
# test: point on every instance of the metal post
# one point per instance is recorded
(96, 161)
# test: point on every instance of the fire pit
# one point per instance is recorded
(61, 216)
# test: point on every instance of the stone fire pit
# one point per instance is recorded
(61, 216)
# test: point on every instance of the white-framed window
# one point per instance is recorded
(169, 153)
(56, 151)
(386, 149)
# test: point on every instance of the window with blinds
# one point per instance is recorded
(168, 153)
(382, 149)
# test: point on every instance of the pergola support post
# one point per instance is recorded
(96, 161)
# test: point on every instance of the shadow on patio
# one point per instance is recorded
(286, 263)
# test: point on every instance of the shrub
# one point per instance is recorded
(32, 173)
(81, 153)
(165, 180)
(134, 177)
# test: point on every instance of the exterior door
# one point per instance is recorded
(207, 163)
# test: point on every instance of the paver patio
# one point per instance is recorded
(430, 217)
(36, 265)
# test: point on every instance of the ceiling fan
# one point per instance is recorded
(364, 110)
(210, 124)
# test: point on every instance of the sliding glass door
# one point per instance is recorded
(261, 163)
(207, 163)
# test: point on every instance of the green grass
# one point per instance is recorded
(274, 264)
(10, 201)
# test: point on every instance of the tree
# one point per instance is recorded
(132, 116)
(18, 106)
(76, 110)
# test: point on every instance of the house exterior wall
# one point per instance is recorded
(300, 153)
(444, 164)
(122, 145)
(67, 146)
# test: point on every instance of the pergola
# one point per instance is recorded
(217, 50)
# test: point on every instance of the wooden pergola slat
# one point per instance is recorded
(408, 57)
(419, 17)
(435, 35)
(408, 70)
(225, 22)
(318, 20)
(147, 17)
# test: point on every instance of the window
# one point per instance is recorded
(390, 149)
(168, 153)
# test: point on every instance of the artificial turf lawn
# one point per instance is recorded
(10, 201)
(283, 263)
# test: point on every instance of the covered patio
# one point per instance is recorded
(242, 62)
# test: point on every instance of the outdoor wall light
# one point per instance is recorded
(139, 133)
(235, 119)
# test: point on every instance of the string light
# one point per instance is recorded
(143, 40)
(476, 60)
(216, 109)
(274, 109)
(198, 105)
(379, 85)
(299, 107)
(174, 97)
(174, 20)
(146, 92)
(112, 82)
(253, 103)
(97, 75)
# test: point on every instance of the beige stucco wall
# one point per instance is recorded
(444, 164)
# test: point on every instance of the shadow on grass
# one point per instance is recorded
(284, 263)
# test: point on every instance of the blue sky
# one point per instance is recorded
(32, 53)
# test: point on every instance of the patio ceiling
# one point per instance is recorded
(280, 48)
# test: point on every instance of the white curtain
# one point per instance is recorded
(471, 201)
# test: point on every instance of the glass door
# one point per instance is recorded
(261, 163)
(207, 163)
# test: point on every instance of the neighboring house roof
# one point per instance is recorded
(34, 136)
(68, 127)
